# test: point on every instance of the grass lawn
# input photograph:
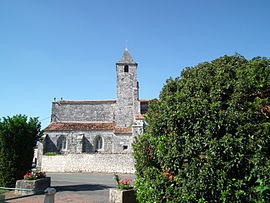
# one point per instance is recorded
(3, 191)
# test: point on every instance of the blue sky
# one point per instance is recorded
(68, 48)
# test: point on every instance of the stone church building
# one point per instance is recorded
(108, 126)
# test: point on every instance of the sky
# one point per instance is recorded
(68, 48)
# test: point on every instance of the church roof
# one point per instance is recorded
(79, 126)
(95, 102)
(86, 127)
(85, 102)
(126, 58)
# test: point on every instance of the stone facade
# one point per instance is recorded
(83, 111)
(78, 141)
(99, 126)
(101, 163)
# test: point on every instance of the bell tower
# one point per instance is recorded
(127, 91)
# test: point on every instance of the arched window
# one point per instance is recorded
(98, 143)
(126, 68)
(87, 147)
(62, 143)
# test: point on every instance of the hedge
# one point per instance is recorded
(18, 136)
(208, 135)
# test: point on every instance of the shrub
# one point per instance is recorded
(51, 154)
(18, 136)
(208, 135)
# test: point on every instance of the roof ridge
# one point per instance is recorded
(85, 101)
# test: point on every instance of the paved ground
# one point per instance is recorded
(75, 187)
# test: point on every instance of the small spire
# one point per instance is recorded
(126, 58)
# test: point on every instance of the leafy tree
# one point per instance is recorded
(208, 138)
(18, 136)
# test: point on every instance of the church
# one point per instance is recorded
(107, 126)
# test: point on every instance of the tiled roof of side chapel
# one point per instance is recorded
(79, 126)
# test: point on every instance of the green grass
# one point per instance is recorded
(3, 191)
(51, 154)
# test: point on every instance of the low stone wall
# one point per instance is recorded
(102, 163)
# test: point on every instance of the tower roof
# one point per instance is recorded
(126, 58)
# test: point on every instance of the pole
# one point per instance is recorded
(49, 195)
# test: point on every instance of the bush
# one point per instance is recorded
(208, 135)
(18, 136)
(51, 154)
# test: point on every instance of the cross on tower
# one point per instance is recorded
(126, 41)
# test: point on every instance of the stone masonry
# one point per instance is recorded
(89, 163)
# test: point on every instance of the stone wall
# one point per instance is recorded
(65, 111)
(85, 142)
(102, 163)
(127, 104)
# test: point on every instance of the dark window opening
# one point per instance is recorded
(99, 143)
(126, 68)
(61, 143)
(125, 147)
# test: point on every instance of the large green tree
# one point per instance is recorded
(208, 138)
(18, 136)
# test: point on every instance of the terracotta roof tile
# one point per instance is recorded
(139, 117)
(145, 100)
(122, 131)
(79, 126)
